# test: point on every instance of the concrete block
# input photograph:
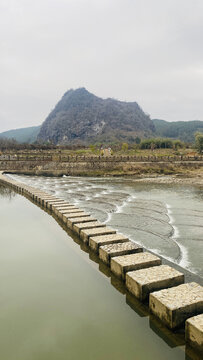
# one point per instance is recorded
(45, 199)
(173, 306)
(142, 282)
(121, 264)
(106, 252)
(68, 212)
(38, 195)
(60, 211)
(86, 234)
(68, 216)
(64, 206)
(77, 220)
(89, 225)
(194, 332)
(96, 241)
(51, 203)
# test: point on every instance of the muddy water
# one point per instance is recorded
(167, 219)
(56, 304)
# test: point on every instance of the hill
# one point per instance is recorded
(183, 130)
(23, 135)
(81, 117)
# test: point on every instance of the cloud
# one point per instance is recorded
(134, 50)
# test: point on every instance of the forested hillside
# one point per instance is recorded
(183, 130)
(23, 135)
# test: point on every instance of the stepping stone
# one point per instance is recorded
(42, 200)
(58, 210)
(106, 252)
(173, 306)
(60, 213)
(70, 211)
(90, 225)
(78, 220)
(121, 264)
(52, 199)
(40, 195)
(49, 203)
(44, 196)
(64, 206)
(194, 332)
(86, 234)
(96, 241)
(142, 282)
(68, 216)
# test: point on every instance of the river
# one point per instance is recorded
(167, 219)
(57, 301)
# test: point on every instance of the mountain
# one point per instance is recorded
(81, 117)
(23, 135)
(183, 130)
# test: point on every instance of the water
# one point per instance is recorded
(167, 219)
(58, 303)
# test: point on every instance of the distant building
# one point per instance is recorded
(106, 152)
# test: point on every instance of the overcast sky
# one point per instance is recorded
(149, 51)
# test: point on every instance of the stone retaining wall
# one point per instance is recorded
(96, 166)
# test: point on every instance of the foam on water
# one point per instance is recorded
(119, 208)
(184, 259)
(108, 219)
(66, 188)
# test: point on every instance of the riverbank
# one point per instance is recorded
(158, 173)
(131, 166)
(193, 178)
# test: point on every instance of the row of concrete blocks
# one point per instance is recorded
(170, 299)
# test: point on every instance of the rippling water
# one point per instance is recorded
(58, 303)
(167, 219)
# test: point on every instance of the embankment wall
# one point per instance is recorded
(99, 166)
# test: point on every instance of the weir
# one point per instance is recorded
(175, 303)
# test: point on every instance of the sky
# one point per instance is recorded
(132, 50)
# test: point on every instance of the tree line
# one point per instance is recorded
(151, 144)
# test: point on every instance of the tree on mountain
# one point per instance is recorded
(199, 142)
(124, 147)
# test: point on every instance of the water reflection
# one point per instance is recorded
(7, 192)
(172, 338)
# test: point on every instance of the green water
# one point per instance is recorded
(57, 303)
